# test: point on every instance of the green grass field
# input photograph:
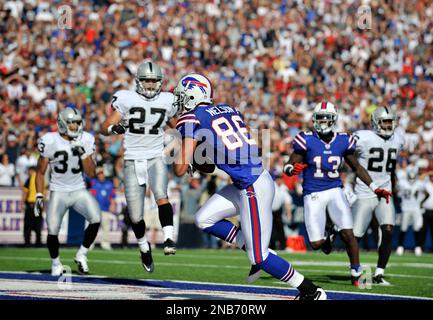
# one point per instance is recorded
(409, 275)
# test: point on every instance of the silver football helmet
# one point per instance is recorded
(384, 121)
(148, 79)
(66, 118)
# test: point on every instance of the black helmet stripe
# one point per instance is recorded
(150, 67)
(386, 109)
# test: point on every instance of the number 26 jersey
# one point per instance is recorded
(379, 157)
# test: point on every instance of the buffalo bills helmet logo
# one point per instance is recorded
(190, 83)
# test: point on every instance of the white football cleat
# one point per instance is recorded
(56, 269)
(399, 251)
(81, 261)
(418, 251)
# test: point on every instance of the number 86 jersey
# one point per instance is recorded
(379, 157)
(65, 165)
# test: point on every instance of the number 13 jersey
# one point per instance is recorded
(145, 118)
(379, 157)
(66, 168)
(324, 160)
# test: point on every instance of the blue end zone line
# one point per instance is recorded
(193, 286)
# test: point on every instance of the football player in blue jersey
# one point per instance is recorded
(319, 155)
(219, 133)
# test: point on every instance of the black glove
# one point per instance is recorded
(39, 205)
(77, 148)
(117, 129)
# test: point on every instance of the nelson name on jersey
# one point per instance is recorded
(323, 159)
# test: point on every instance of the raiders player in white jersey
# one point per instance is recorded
(411, 190)
(377, 151)
(69, 154)
(141, 116)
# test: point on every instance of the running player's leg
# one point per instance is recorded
(57, 206)
(211, 217)
(362, 211)
(385, 214)
(86, 205)
(315, 217)
(256, 220)
(158, 181)
(134, 194)
(340, 214)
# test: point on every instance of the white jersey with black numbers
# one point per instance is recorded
(379, 157)
(145, 119)
(411, 193)
(65, 166)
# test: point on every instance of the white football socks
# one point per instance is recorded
(143, 244)
(168, 232)
(83, 251)
(56, 261)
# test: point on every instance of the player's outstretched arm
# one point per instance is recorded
(112, 124)
(185, 156)
(295, 165)
(362, 174)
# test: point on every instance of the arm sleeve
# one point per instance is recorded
(300, 143)
(89, 146)
(44, 146)
(351, 145)
(188, 126)
(118, 103)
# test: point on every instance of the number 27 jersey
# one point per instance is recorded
(379, 157)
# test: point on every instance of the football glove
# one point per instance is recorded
(117, 129)
(293, 170)
(39, 205)
(78, 148)
(383, 193)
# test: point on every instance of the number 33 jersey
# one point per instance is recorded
(323, 160)
(66, 169)
(145, 119)
(379, 157)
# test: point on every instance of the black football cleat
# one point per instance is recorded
(380, 280)
(146, 260)
(319, 294)
(254, 273)
(169, 247)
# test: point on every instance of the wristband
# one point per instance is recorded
(110, 127)
(373, 186)
(39, 195)
(288, 168)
